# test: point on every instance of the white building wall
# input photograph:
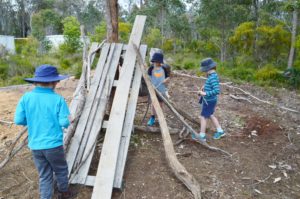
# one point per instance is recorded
(8, 42)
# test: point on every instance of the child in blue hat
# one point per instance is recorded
(209, 97)
(46, 113)
(159, 76)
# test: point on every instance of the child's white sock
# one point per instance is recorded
(202, 134)
(220, 130)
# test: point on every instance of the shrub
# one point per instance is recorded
(268, 72)
(189, 65)
(65, 63)
(240, 73)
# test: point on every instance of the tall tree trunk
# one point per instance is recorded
(112, 13)
(293, 38)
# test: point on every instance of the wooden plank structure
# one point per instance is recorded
(120, 124)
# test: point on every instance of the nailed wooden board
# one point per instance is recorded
(108, 159)
(128, 123)
(76, 140)
(81, 176)
(99, 90)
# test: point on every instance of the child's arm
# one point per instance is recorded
(215, 87)
(20, 115)
(63, 115)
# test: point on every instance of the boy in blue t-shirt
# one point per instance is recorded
(45, 113)
(209, 97)
(159, 76)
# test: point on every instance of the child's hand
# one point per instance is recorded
(202, 93)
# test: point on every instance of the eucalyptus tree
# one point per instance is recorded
(221, 17)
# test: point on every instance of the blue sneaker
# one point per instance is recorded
(151, 121)
(218, 135)
(194, 136)
(198, 138)
(202, 138)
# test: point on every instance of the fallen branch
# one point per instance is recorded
(245, 92)
(14, 150)
(239, 98)
(6, 122)
(178, 169)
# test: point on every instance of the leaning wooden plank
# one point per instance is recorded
(179, 170)
(90, 121)
(76, 140)
(128, 123)
(78, 101)
(96, 124)
(109, 154)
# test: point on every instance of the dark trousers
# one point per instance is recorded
(49, 162)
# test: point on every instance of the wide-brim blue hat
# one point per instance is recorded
(46, 73)
(158, 57)
(207, 64)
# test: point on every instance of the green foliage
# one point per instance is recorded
(153, 38)
(71, 28)
(243, 37)
(240, 73)
(65, 63)
(3, 71)
(124, 32)
(168, 45)
(38, 26)
(293, 77)
(189, 64)
(245, 61)
(272, 43)
(45, 22)
(268, 72)
(100, 33)
(27, 46)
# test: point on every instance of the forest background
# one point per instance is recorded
(252, 40)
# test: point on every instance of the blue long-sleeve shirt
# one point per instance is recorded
(45, 113)
(212, 87)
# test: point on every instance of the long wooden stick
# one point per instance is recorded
(179, 170)
(189, 127)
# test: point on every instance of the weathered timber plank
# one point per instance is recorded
(76, 140)
(128, 123)
(94, 107)
(96, 123)
(109, 154)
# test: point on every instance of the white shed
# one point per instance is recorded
(8, 42)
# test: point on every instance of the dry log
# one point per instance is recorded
(178, 169)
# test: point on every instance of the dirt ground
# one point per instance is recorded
(264, 141)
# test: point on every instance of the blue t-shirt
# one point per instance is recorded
(45, 113)
(212, 87)
(157, 76)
